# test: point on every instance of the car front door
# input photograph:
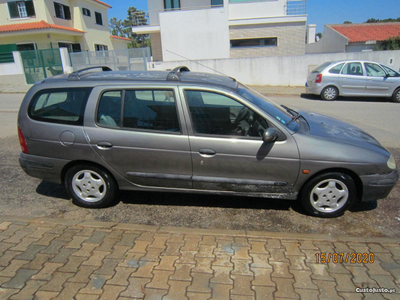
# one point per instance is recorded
(378, 82)
(352, 79)
(139, 134)
(227, 150)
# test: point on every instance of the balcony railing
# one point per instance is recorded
(154, 18)
(296, 7)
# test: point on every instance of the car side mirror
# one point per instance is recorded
(387, 75)
(270, 135)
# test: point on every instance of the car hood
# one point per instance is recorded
(341, 132)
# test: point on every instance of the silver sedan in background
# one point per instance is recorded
(354, 78)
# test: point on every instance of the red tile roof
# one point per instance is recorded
(100, 2)
(35, 25)
(368, 31)
(120, 38)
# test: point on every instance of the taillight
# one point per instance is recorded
(318, 79)
(22, 141)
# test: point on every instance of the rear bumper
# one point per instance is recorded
(378, 186)
(316, 89)
(48, 169)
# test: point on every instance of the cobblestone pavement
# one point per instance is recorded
(67, 259)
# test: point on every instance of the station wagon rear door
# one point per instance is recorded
(138, 132)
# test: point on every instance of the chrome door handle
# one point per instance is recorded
(207, 152)
(104, 145)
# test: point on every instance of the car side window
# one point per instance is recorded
(109, 110)
(374, 70)
(151, 110)
(353, 68)
(336, 69)
(216, 114)
(64, 106)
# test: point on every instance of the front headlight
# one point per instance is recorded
(391, 163)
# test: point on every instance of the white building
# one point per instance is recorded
(212, 29)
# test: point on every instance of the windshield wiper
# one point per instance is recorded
(295, 114)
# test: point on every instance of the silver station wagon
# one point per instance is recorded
(98, 132)
(354, 78)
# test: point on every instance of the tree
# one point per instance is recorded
(116, 27)
(347, 22)
(372, 20)
(135, 18)
(124, 28)
(392, 43)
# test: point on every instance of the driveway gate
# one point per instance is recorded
(40, 64)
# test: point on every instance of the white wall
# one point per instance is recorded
(195, 34)
(278, 71)
(331, 42)
(251, 10)
(12, 68)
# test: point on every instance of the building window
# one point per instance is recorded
(217, 2)
(26, 47)
(62, 11)
(21, 9)
(101, 47)
(101, 50)
(99, 19)
(86, 12)
(172, 4)
(259, 42)
(70, 46)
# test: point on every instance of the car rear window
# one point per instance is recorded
(64, 106)
(322, 67)
(336, 69)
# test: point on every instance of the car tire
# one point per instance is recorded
(90, 186)
(329, 93)
(328, 195)
(396, 96)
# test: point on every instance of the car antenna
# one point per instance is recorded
(198, 63)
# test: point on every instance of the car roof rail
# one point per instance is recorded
(174, 74)
(75, 76)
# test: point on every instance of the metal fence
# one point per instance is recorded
(41, 64)
(134, 59)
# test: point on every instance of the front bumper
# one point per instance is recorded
(378, 186)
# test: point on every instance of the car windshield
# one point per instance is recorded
(274, 110)
(322, 67)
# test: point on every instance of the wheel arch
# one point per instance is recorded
(395, 90)
(331, 85)
(85, 162)
(352, 174)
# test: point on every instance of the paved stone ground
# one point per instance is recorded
(66, 259)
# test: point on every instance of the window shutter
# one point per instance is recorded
(13, 9)
(57, 9)
(67, 12)
(30, 8)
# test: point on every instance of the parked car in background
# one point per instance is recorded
(354, 78)
(97, 132)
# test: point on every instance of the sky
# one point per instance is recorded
(319, 12)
